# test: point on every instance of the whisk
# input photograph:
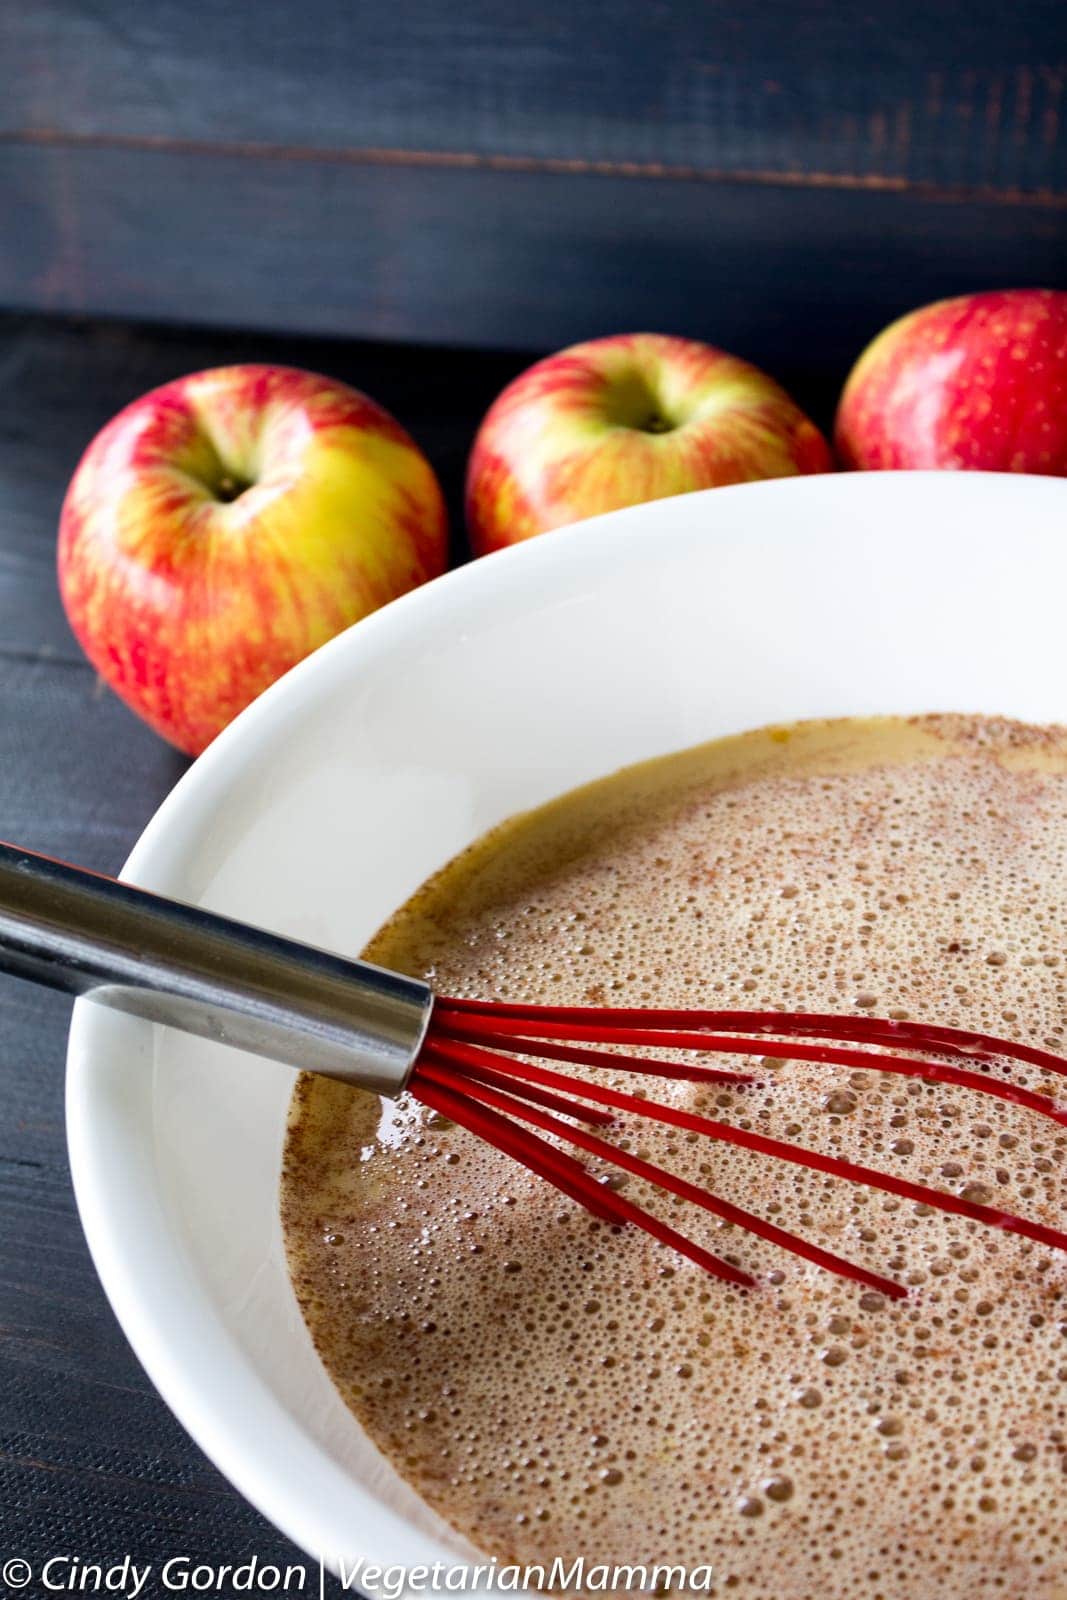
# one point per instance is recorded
(482, 1064)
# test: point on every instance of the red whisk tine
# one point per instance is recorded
(436, 1050)
(833, 1166)
(496, 1090)
(820, 1025)
(558, 1169)
(524, 1042)
(524, 1038)
(446, 1092)
(474, 1051)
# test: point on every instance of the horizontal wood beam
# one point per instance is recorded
(471, 254)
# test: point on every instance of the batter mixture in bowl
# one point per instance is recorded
(553, 1386)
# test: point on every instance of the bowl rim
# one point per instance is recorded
(141, 1308)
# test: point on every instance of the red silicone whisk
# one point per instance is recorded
(493, 1067)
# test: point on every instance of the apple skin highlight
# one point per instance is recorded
(225, 525)
(618, 421)
(976, 383)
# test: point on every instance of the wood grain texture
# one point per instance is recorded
(91, 1461)
(490, 175)
(953, 95)
(483, 257)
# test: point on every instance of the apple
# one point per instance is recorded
(617, 421)
(224, 526)
(979, 382)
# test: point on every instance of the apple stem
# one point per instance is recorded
(229, 488)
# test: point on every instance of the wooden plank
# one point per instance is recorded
(454, 254)
(90, 1458)
(959, 94)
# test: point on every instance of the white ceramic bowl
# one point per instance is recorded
(375, 761)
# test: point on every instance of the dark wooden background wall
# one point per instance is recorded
(476, 172)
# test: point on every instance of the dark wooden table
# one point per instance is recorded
(91, 1461)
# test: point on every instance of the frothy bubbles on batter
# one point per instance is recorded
(553, 1385)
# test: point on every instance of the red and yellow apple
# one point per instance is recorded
(224, 526)
(617, 421)
(979, 382)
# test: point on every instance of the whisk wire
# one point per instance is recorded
(477, 1057)
(569, 1176)
(527, 1042)
(475, 1082)
(815, 1024)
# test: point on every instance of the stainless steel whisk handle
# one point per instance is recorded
(160, 959)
